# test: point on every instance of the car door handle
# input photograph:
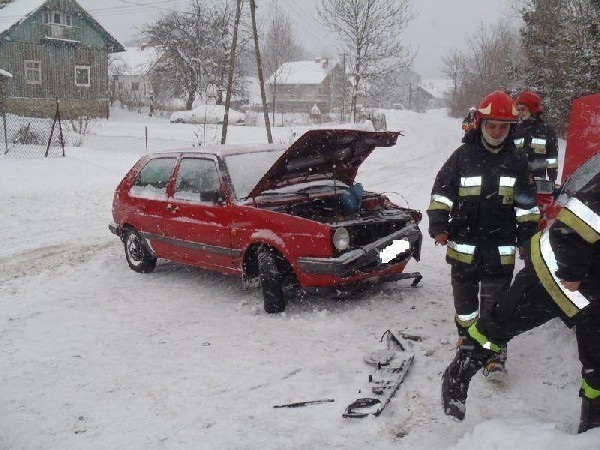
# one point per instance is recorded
(172, 208)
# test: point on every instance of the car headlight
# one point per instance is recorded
(341, 239)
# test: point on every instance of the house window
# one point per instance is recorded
(33, 72)
(135, 85)
(57, 18)
(82, 76)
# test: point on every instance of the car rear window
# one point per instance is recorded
(152, 180)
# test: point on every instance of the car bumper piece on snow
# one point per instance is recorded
(366, 259)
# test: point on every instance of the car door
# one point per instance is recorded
(198, 219)
(148, 201)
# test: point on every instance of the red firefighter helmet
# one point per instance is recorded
(497, 106)
(531, 100)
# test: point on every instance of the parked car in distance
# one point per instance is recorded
(268, 213)
(208, 114)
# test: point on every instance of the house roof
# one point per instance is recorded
(135, 61)
(303, 72)
(15, 12)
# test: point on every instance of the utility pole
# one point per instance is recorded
(344, 81)
(260, 72)
(238, 12)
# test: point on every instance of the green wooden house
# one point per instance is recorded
(54, 50)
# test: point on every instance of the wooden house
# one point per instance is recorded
(54, 50)
(300, 85)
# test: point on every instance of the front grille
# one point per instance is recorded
(363, 233)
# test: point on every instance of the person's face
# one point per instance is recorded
(524, 113)
(496, 130)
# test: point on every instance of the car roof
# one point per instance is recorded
(222, 150)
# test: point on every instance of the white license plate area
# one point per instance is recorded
(397, 247)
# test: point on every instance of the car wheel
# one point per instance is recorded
(137, 255)
(271, 281)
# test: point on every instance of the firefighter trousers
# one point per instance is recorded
(527, 305)
(474, 291)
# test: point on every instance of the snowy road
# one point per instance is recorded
(95, 356)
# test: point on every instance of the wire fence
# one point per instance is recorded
(31, 137)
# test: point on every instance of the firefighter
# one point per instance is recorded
(483, 206)
(536, 137)
(470, 119)
(560, 279)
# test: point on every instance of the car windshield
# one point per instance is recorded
(582, 175)
(246, 169)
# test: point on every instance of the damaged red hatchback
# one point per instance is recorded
(280, 215)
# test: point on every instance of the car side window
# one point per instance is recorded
(198, 180)
(152, 180)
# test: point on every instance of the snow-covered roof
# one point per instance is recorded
(135, 61)
(17, 11)
(5, 74)
(303, 72)
(437, 87)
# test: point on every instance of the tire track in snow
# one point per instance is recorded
(33, 262)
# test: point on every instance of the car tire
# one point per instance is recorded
(137, 255)
(271, 281)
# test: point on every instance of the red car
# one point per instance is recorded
(582, 158)
(270, 213)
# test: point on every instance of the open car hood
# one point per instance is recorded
(584, 133)
(323, 155)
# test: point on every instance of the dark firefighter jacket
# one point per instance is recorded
(539, 141)
(570, 250)
(486, 202)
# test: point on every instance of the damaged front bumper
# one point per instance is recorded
(367, 259)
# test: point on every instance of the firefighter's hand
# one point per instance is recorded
(521, 251)
(571, 285)
(441, 239)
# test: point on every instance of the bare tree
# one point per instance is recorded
(370, 31)
(261, 80)
(196, 45)
(238, 12)
(280, 46)
(491, 61)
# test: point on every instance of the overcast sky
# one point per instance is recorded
(440, 25)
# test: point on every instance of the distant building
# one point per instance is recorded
(131, 75)
(54, 50)
(300, 85)
(439, 90)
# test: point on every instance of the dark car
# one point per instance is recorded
(270, 213)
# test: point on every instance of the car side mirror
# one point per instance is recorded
(215, 197)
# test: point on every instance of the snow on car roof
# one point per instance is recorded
(226, 150)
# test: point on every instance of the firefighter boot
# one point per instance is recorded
(495, 369)
(590, 414)
(457, 376)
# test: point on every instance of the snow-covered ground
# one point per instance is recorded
(94, 355)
